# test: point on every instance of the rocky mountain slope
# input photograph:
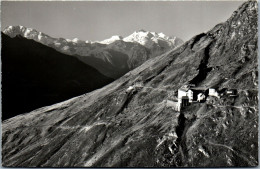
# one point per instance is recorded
(113, 57)
(120, 126)
(34, 75)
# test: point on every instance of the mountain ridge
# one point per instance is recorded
(32, 33)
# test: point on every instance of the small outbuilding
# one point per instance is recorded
(129, 89)
(174, 105)
(231, 92)
(138, 84)
(201, 97)
(190, 95)
(213, 92)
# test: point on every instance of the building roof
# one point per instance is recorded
(232, 90)
(199, 88)
(182, 89)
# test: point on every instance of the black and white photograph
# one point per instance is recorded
(159, 84)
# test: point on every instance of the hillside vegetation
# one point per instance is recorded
(116, 127)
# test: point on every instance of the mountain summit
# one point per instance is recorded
(111, 40)
(133, 122)
(29, 33)
(148, 39)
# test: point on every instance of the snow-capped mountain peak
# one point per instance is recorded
(29, 33)
(75, 40)
(13, 31)
(162, 35)
(111, 40)
(148, 39)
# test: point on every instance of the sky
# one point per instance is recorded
(96, 20)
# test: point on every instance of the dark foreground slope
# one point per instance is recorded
(34, 76)
(112, 128)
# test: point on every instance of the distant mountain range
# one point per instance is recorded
(113, 57)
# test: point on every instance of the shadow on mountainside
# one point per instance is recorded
(34, 75)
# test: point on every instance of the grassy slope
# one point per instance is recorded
(109, 127)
